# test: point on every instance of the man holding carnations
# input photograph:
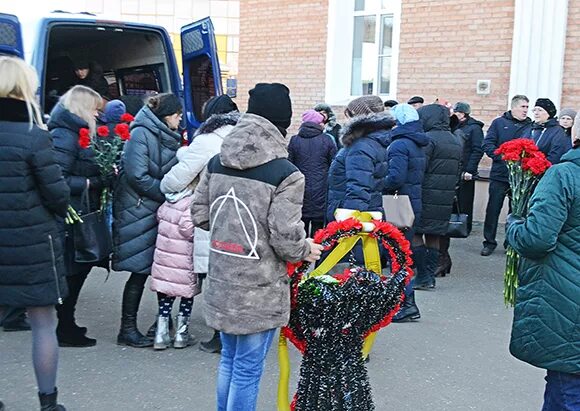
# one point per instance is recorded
(511, 125)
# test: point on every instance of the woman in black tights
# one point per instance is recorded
(148, 156)
(32, 194)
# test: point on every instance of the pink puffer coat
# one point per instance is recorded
(172, 271)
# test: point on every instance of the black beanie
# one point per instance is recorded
(166, 104)
(547, 105)
(271, 101)
(218, 105)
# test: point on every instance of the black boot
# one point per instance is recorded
(69, 334)
(419, 255)
(2, 406)
(445, 263)
(409, 311)
(431, 263)
(129, 334)
(212, 346)
(48, 402)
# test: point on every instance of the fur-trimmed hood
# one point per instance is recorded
(361, 126)
(218, 121)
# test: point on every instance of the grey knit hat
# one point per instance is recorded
(365, 105)
(568, 112)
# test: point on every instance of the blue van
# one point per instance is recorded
(136, 59)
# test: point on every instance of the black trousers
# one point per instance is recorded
(465, 198)
(498, 191)
(12, 315)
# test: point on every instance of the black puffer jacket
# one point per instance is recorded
(472, 145)
(32, 194)
(148, 156)
(443, 155)
(78, 167)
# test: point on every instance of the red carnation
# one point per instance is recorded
(537, 165)
(103, 131)
(122, 130)
(127, 118)
(320, 235)
(84, 138)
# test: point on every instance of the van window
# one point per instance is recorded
(201, 81)
(124, 61)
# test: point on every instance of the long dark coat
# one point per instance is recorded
(78, 166)
(148, 156)
(312, 151)
(32, 194)
(443, 155)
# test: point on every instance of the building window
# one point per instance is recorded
(362, 49)
(372, 48)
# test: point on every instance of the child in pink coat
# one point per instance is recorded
(172, 271)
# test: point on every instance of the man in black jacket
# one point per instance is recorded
(509, 126)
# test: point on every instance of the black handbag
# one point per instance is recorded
(458, 227)
(92, 238)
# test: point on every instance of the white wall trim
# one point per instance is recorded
(339, 51)
(539, 44)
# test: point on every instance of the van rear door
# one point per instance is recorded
(201, 69)
(10, 36)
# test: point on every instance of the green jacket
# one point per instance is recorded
(546, 327)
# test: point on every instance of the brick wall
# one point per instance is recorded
(571, 80)
(463, 41)
(284, 41)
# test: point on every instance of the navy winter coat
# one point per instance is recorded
(551, 139)
(502, 129)
(148, 156)
(443, 156)
(312, 151)
(472, 144)
(357, 175)
(406, 163)
(78, 164)
(78, 167)
(32, 194)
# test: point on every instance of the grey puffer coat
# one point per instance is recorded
(250, 197)
(148, 156)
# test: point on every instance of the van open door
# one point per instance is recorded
(10, 36)
(201, 69)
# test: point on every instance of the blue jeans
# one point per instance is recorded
(241, 367)
(562, 392)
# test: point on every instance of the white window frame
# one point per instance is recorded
(339, 49)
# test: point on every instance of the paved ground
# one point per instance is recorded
(455, 358)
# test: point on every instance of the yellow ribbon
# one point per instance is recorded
(372, 260)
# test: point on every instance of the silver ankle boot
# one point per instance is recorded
(162, 338)
(182, 337)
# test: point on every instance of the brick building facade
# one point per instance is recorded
(435, 48)
(444, 48)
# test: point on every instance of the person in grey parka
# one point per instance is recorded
(148, 156)
(251, 198)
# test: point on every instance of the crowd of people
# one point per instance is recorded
(243, 198)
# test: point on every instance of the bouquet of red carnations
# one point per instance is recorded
(526, 165)
(107, 147)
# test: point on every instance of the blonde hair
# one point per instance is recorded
(20, 81)
(83, 101)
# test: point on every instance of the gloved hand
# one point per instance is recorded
(511, 219)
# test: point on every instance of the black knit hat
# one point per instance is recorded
(391, 103)
(271, 101)
(547, 105)
(166, 104)
(218, 105)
